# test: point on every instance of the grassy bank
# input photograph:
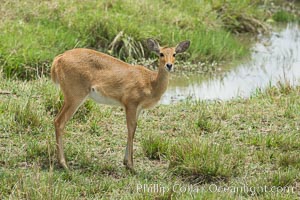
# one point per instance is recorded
(33, 32)
(204, 145)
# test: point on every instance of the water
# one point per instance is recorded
(275, 58)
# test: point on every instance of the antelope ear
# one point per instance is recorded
(153, 46)
(182, 46)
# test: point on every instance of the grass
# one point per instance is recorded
(34, 32)
(194, 148)
(201, 161)
(285, 11)
(284, 16)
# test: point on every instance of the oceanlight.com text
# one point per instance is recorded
(179, 188)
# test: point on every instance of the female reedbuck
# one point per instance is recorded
(83, 73)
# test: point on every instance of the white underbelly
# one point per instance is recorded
(99, 98)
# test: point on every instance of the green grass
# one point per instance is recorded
(154, 147)
(284, 16)
(199, 145)
(34, 32)
(200, 160)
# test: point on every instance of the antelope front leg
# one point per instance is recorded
(131, 120)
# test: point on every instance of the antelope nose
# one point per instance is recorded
(169, 66)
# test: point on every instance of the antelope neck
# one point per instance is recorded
(161, 81)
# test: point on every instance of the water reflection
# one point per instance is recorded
(274, 59)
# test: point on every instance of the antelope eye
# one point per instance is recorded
(174, 54)
(161, 55)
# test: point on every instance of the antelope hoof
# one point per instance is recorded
(125, 162)
(130, 169)
(128, 166)
(63, 164)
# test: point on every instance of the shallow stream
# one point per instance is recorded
(275, 58)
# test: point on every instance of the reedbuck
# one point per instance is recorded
(83, 73)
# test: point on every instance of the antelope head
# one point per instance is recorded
(167, 54)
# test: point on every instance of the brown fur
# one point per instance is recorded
(84, 68)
